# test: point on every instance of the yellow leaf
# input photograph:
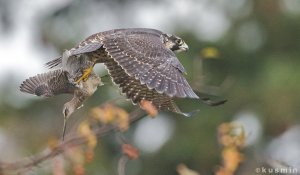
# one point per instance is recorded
(210, 52)
(85, 130)
(231, 158)
(149, 108)
(122, 119)
(110, 114)
(232, 138)
(231, 134)
(52, 142)
(104, 114)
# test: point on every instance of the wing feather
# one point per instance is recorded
(163, 71)
(91, 44)
(142, 55)
(87, 47)
(47, 84)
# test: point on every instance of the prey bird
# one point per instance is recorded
(62, 81)
(140, 61)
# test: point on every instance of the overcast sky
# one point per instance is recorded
(22, 56)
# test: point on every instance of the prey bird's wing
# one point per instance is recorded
(143, 55)
(47, 84)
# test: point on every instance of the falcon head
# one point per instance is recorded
(174, 43)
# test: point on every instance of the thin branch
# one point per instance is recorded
(72, 141)
(122, 165)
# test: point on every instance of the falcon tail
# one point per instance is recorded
(170, 105)
(208, 100)
(39, 84)
(53, 63)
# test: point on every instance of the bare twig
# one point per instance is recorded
(72, 141)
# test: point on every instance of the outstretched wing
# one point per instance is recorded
(136, 92)
(47, 84)
(143, 55)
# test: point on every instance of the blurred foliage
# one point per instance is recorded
(255, 66)
(232, 138)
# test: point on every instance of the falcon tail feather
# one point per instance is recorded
(53, 63)
(209, 101)
(190, 114)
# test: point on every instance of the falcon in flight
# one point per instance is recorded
(140, 61)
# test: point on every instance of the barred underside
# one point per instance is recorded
(144, 57)
(136, 92)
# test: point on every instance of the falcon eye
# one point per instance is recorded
(178, 41)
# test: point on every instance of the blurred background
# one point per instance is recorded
(246, 51)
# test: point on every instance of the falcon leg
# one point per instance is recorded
(86, 74)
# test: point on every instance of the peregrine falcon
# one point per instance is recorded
(61, 81)
(140, 61)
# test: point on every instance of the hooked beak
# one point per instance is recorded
(185, 47)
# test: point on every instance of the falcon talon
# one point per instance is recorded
(86, 74)
(85, 79)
